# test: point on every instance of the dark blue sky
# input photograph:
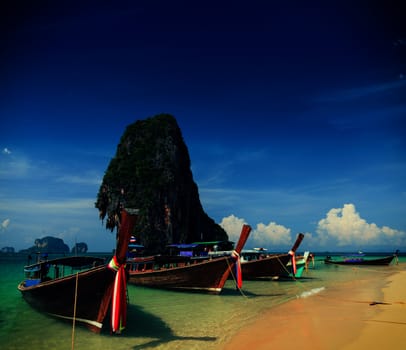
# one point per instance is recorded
(294, 114)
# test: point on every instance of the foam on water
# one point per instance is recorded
(311, 292)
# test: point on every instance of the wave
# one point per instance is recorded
(310, 292)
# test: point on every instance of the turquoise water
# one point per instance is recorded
(160, 319)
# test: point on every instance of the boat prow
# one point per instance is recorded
(81, 289)
(206, 274)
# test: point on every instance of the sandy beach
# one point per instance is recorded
(363, 314)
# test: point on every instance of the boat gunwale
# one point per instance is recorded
(190, 266)
(22, 287)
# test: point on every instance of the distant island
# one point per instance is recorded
(50, 244)
(7, 250)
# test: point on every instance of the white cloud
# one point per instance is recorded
(6, 151)
(37, 207)
(232, 225)
(73, 221)
(87, 179)
(13, 167)
(345, 227)
(341, 228)
(20, 166)
(5, 224)
(271, 235)
(266, 236)
(365, 91)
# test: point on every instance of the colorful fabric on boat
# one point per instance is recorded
(238, 273)
(113, 264)
(292, 254)
(119, 301)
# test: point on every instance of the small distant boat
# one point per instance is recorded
(186, 273)
(360, 259)
(82, 289)
(257, 264)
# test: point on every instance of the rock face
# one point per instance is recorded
(49, 245)
(79, 248)
(7, 250)
(151, 172)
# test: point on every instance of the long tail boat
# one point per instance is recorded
(83, 289)
(259, 265)
(360, 259)
(186, 273)
(301, 265)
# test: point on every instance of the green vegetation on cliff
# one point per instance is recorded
(151, 172)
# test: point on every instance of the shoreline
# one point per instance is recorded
(372, 313)
(387, 328)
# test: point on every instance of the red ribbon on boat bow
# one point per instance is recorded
(119, 301)
(238, 272)
(292, 254)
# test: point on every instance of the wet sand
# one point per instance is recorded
(363, 314)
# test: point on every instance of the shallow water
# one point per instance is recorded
(159, 319)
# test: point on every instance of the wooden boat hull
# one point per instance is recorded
(205, 276)
(380, 261)
(86, 296)
(268, 267)
(186, 274)
(57, 297)
(300, 267)
(301, 263)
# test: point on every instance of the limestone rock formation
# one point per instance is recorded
(7, 250)
(151, 172)
(48, 245)
(79, 248)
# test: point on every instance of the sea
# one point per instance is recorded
(160, 319)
